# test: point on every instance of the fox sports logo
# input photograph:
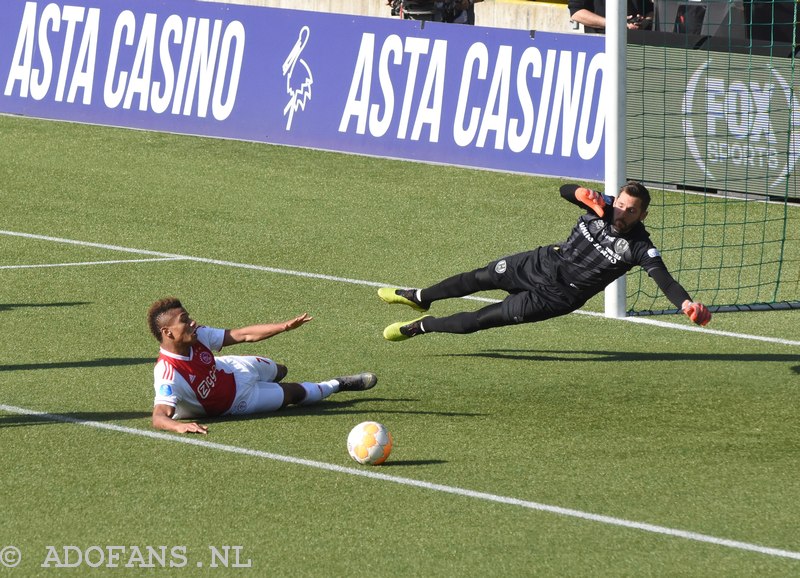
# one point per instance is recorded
(750, 122)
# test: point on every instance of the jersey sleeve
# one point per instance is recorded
(165, 386)
(211, 337)
(669, 286)
(652, 262)
(649, 258)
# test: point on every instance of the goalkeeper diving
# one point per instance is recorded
(607, 242)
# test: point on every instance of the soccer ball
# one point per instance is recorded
(369, 443)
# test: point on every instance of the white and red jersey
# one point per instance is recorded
(202, 384)
(198, 384)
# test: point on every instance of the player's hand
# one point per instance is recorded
(697, 312)
(297, 321)
(591, 199)
(192, 427)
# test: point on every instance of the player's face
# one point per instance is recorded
(627, 212)
(179, 327)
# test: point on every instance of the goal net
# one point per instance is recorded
(713, 129)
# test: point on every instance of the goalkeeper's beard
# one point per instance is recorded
(620, 228)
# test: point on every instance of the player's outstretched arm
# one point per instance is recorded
(253, 333)
(675, 292)
(162, 419)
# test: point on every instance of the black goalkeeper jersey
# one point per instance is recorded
(594, 255)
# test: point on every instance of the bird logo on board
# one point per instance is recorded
(298, 78)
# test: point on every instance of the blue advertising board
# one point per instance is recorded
(492, 98)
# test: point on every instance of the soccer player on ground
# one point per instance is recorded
(190, 382)
(607, 242)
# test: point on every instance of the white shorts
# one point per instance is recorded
(256, 390)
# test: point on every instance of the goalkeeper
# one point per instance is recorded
(607, 242)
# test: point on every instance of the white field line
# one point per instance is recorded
(697, 329)
(375, 475)
(307, 275)
(85, 263)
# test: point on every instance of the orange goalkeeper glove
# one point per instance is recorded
(591, 199)
(697, 312)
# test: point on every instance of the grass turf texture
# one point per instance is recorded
(684, 430)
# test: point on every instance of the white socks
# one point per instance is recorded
(318, 391)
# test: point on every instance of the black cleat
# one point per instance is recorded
(359, 382)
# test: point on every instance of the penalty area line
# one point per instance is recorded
(453, 490)
(177, 257)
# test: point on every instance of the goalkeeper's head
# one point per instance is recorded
(639, 191)
(630, 207)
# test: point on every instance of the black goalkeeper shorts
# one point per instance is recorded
(532, 296)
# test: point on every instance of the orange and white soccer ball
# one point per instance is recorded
(369, 443)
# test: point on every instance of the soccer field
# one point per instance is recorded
(581, 446)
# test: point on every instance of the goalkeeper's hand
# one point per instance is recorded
(591, 199)
(697, 312)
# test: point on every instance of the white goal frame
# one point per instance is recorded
(614, 106)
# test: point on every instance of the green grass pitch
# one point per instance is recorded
(672, 452)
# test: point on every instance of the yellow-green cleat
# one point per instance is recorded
(403, 297)
(403, 330)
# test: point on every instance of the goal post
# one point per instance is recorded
(615, 149)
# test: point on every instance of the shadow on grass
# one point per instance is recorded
(594, 356)
(400, 463)
(10, 306)
(338, 407)
(102, 362)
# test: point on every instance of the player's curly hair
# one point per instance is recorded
(157, 310)
(638, 191)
